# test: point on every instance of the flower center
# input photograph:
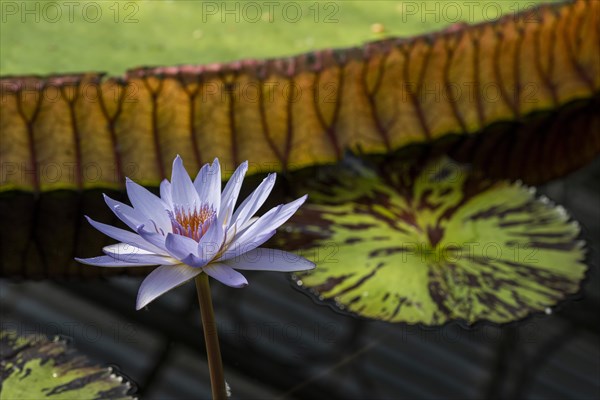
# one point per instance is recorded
(193, 222)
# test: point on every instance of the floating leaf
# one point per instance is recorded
(84, 131)
(436, 244)
(33, 367)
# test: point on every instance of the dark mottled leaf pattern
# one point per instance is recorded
(33, 367)
(434, 244)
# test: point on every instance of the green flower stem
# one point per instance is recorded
(213, 353)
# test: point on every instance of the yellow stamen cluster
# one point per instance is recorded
(192, 223)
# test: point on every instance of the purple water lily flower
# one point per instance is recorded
(192, 228)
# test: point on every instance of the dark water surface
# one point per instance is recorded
(277, 343)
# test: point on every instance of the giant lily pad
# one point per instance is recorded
(82, 131)
(436, 244)
(33, 367)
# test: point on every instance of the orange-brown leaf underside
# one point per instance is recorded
(83, 131)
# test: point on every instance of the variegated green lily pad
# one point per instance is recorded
(34, 367)
(435, 244)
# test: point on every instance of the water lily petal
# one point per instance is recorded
(261, 231)
(241, 238)
(124, 236)
(180, 246)
(185, 249)
(108, 261)
(252, 203)
(263, 259)
(130, 216)
(246, 225)
(231, 192)
(225, 274)
(163, 279)
(224, 218)
(237, 229)
(274, 218)
(182, 189)
(123, 249)
(148, 204)
(239, 248)
(208, 185)
(132, 254)
(194, 261)
(210, 244)
(165, 192)
(285, 212)
(126, 217)
(156, 239)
